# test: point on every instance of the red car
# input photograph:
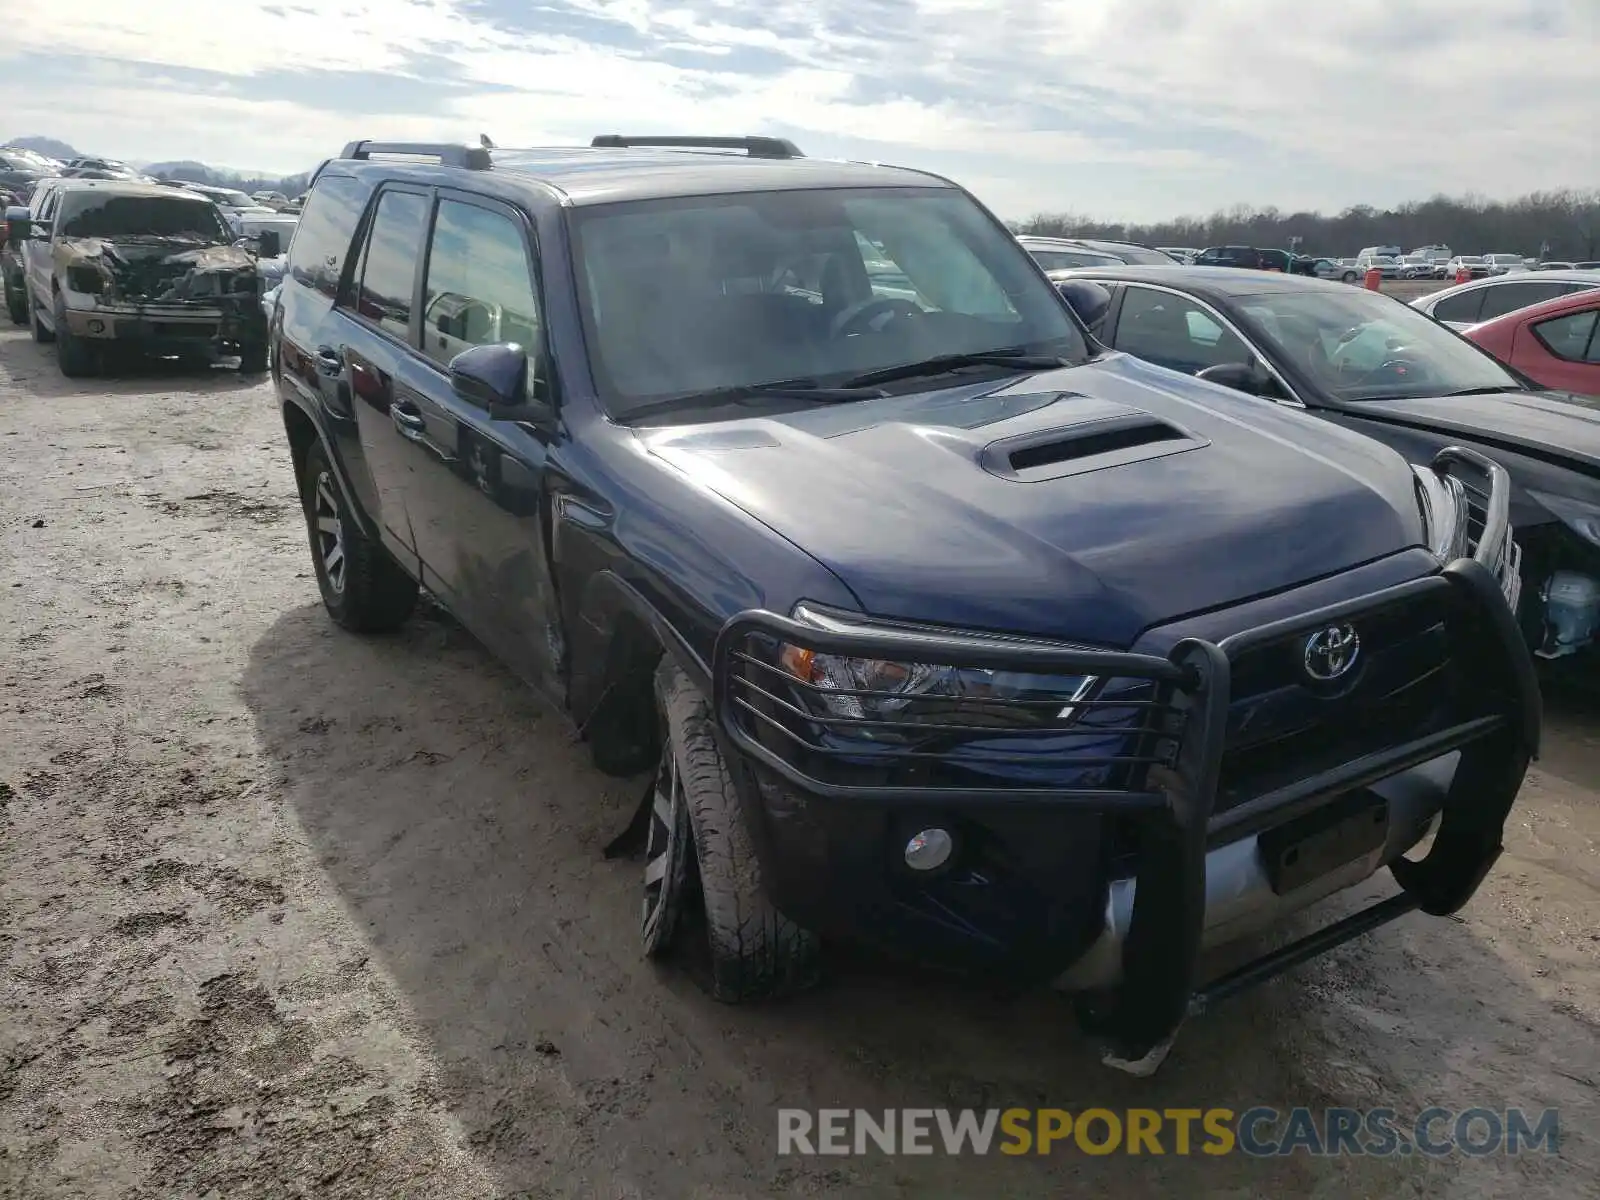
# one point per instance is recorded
(1555, 343)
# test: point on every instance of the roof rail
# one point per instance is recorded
(449, 154)
(755, 147)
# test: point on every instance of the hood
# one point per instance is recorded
(1555, 426)
(1087, 504)
(158, 268)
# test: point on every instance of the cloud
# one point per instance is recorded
(1131, 108)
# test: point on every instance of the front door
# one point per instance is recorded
(477, 509)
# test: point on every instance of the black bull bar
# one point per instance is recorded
(1163, 776)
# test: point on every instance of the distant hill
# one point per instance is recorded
(46, 146)
(185, 169)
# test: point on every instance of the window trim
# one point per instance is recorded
(1589, 346)
(1290, 398)
(347, 299)
(523, 222)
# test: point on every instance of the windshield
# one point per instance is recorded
(1469, 258)
(107, 215)
(686, 295)
(1361, 345)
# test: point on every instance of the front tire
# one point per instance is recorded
(756, 952)
(253, 358)
(363, 588)
(74, 355)
(1348, 277)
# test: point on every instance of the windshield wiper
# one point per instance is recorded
(747, 393)
(1479, 391)
(1006, 356)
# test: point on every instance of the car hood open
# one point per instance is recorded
(1559, 427)
(1089, 503)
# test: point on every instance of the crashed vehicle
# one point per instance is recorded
(935, 625)
(138, 267)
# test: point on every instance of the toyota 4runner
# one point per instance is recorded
(939, 626)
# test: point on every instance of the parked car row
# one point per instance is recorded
(943, 616)
(1368, 362)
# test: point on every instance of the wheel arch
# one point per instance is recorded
(304, 430)
(618, 641)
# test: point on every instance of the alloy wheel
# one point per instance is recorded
(665, 854)
(329, 533)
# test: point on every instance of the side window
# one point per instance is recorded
(1509, 297)
(479, 290)
(1175, 332)
(1463, 308)
(390, 267)
(1571, 337)
(322, 236)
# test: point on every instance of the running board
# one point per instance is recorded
(1288, 957)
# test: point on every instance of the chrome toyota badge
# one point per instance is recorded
(1331, 652)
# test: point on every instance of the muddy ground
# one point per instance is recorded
(284, 912)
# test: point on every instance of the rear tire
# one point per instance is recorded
(74, 355)
(1348, 277)
(16, 305)
(363, 588)
(756, 953)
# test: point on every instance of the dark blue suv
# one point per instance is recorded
(937, 625)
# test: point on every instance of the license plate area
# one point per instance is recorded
(1302, 850)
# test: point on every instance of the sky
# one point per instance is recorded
(1129, 110)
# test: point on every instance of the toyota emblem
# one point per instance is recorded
(1331, 652)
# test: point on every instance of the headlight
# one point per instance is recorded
(1580, 516)
(919, 693)
(86, 279)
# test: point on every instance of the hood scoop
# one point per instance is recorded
(1086, 446)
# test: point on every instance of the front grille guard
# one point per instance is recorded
(1482, 493)
(1164, 781)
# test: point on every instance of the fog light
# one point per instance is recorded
(929, 850)
(96, 325)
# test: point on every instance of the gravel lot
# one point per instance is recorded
(284, 912)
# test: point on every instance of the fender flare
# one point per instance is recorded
(288, 400)
(605, 597)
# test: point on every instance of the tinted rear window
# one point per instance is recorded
(323, 236)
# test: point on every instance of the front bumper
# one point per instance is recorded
(1116, 869)
(177, 326)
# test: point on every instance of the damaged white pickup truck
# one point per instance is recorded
(138, 267)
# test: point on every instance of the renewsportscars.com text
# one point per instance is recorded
(1258, 1132)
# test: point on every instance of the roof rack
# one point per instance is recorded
(755, 147)
(448, 154)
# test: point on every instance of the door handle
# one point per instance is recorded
(329, 361)
(408, 420)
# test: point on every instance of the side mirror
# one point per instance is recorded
(268, 244)
(495, 378)
(18, 221)
(1242, 377)
(1086, 298)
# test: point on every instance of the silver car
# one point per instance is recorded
(1484, 299)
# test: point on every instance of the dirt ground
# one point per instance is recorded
(285, 912)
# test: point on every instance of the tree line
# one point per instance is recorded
(1563, 225)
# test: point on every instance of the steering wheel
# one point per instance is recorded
(1402, 367)
(871, 315)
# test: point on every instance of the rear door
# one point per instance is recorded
(475, 499)
(375, 338)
